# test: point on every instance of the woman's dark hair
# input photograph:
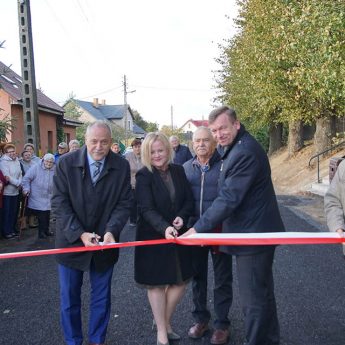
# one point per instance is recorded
(136, 142)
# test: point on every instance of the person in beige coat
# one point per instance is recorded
(335, 202)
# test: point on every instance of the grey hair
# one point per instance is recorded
(73, 141)
(174, 137)
(100, 124)
(203, 128)
(48, 157)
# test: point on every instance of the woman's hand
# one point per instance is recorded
(178, 223)
(170, 232)
(108, 238)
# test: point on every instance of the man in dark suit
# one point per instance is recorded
(91, 202)
(246, 203)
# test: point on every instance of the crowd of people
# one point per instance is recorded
(26, 187)
(165, 192)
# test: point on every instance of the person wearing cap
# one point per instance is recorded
(31, 148)
(62, 149)
(38, 186)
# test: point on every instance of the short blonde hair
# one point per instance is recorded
(146, 148)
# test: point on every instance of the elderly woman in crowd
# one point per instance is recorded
(38, 185)
(31, 148)
(26, 162)
(11, 169)
(135, 164)
(165, 203)
(74, 145)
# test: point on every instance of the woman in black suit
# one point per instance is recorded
(165, 203)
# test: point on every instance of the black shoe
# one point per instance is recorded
(49, 233)
(9, 237)
(42, 236)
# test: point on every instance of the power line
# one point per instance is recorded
(82, 11)
(171, 88)
(101, 93)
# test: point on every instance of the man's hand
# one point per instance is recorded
(90, 239)
(191, 231)
(340, 232)
(178, 223)
(108, 238)
(170, 232)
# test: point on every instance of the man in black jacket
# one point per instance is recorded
(246, 203)
(91, 201)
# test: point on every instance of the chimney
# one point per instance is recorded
(95, 102)
(103, 101)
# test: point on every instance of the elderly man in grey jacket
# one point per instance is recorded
(335, 202)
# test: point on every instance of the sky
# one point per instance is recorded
(166, 49)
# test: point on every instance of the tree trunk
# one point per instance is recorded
(323, 134)
(275, 134)
(295, 141)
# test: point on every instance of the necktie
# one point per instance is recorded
(96, 171)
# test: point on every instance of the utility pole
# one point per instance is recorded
(126, 107)
(125, 92)
(29, 92)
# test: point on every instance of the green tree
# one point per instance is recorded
(72, 110)
(286, 65)
(151, 127)
(6, 127)
(145, 125)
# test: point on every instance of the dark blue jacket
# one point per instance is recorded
(246, 201)
(182, 154)
(204, 183)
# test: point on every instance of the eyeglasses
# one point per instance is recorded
(11, 151)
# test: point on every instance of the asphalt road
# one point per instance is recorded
(310, 292)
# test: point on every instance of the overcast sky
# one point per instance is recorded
(165, 48)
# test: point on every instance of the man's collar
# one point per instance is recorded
(91, 160)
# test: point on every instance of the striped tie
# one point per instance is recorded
(96, 171)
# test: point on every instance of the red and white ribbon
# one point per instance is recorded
(237, 239)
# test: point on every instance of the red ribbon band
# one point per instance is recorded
(282, 238)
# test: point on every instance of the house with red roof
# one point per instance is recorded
(191, 125)
(51, 115)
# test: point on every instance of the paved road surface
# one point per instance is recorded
(310, 291)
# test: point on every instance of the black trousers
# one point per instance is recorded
(133, 212)
(256, 290)
(43, 221)
(222, 291)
